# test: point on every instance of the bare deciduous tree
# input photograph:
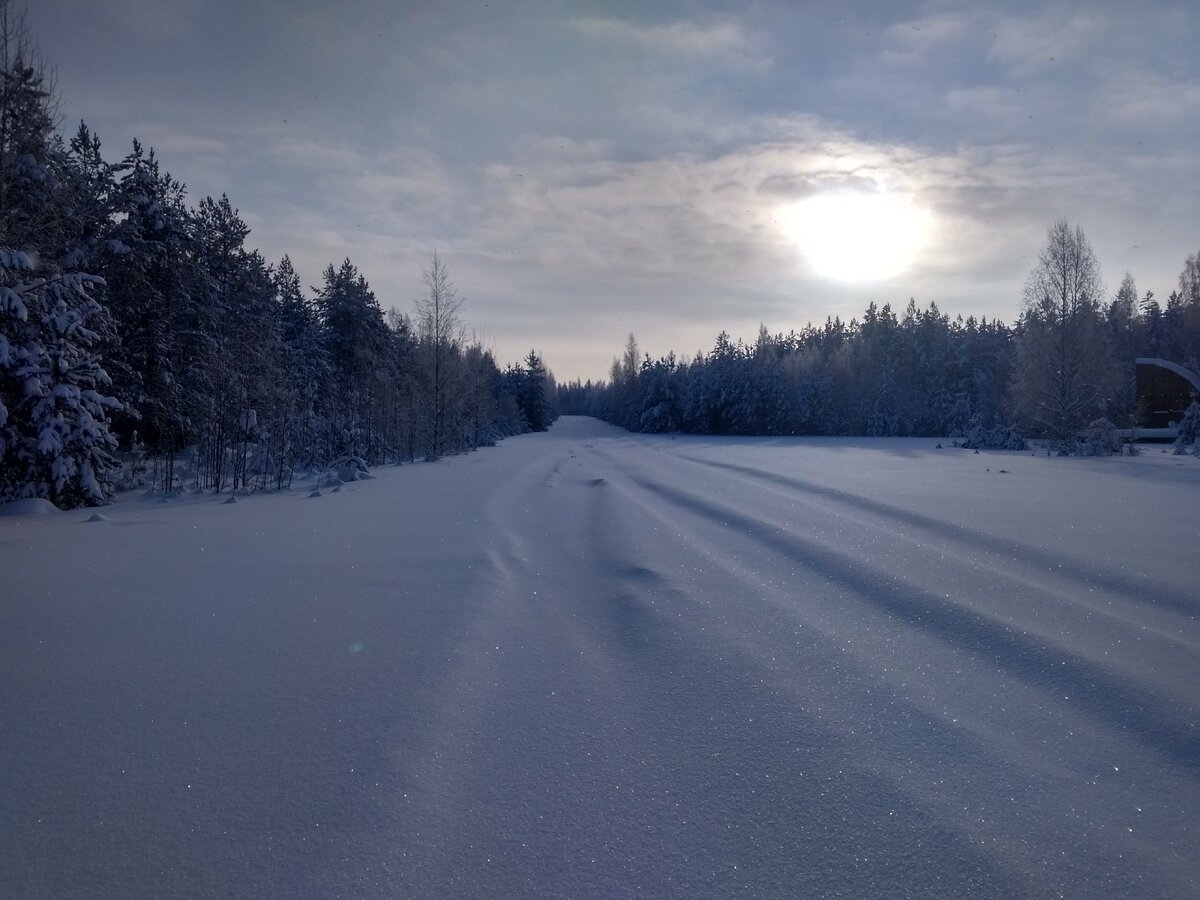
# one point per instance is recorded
(442, 336)
(1065, 372)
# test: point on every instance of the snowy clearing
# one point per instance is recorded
(587, 663)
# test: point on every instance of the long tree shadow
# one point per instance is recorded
(1144, 716)
(1138, 590)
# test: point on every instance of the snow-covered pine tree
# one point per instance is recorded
(302, 373)
(154, 288)
(355, 338)
(483, 381)
(28, 140)
(660, 404)
(55, 441)
(401, 397)
(88, 201)
(533, 394)
(231, 364)
(1189, 430)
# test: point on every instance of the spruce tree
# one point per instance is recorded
(55, 441)
(533, 395)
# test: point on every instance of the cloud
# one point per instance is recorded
(588, 176)
(640, 224)
(998, 108)
(309, 154)
(920, 40)
(680, 245)
(1032, 44)
(171, 140)
(156, 19)
(1147, 100)
(726, 40)
(557, 150)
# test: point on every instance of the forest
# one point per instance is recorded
(1064, 371)
(143, 342)
(136, 329)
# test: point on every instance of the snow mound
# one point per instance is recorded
(30, 507)
(97, 517)
(230, 499)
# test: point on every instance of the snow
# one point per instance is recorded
(589, 663)
(27, 507)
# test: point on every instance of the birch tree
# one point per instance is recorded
(441, 337)
(1065, 372)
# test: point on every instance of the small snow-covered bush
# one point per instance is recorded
(977, 436)
(1189, 431)
(345, 469)
(659, 419)
(1001, 437)
(1100, 439)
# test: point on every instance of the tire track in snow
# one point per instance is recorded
(681, 758)
(992, 775)
(1141, 715)
(1171, 641)
(1144, 592)
(677, 646)
(1163, 622)
(610, 744)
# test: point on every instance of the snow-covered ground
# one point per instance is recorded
(591, 664)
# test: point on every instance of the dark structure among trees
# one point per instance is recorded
(1164, 392)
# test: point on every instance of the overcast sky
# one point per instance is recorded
(668, 168)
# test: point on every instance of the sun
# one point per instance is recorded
(857, 236)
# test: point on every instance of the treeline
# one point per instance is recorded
(1067, 362)
(133, 322)
(919, 374)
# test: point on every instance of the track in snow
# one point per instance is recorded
(593, 664)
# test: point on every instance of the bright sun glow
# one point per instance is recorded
(857, 237)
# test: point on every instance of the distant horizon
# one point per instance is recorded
(673, 172)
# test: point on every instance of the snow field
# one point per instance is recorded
(586, 663)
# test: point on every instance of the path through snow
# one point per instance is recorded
(588, 663)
